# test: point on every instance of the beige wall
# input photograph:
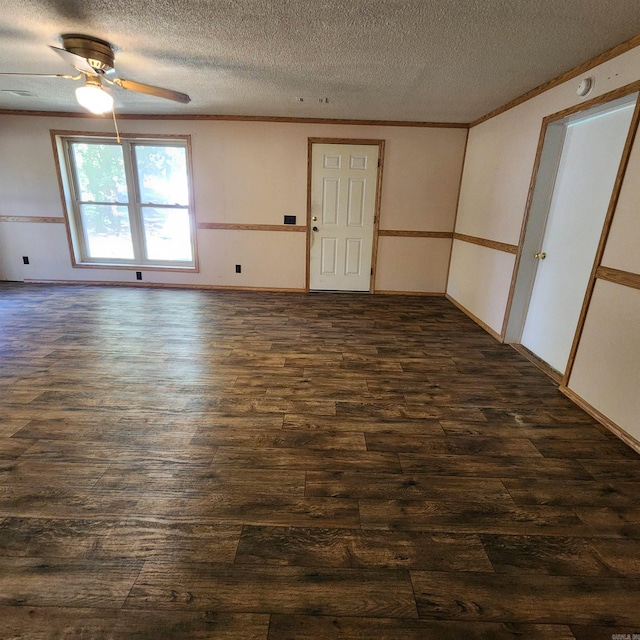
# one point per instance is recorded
(244, 173)
(416, 265)
(606, 372)
(496, 266)
(420, 190)
(623, 245)
(497, 174)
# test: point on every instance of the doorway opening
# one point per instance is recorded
(578, 166)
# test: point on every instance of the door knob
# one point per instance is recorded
(314, 218)
(315, 229)
(540, 256)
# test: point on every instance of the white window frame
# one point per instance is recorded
(72, 202)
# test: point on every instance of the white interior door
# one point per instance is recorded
(584, 183)
(343, 203)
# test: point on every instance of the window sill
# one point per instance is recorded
(134, 267)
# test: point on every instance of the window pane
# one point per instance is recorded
(162, 174)
(107, 231)
(167, 234)
(100, 172)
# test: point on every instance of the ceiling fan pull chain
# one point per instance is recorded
(115, 123)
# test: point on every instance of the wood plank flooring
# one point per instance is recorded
(260, 466)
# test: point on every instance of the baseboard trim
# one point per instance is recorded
(617, 431)
(388, 292)
(162, 285)
(214, 287)
(556, 376)
(492, 332)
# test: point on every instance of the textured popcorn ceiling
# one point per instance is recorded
(426, 60)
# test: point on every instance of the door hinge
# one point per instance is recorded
(379, 162)
(371, 270)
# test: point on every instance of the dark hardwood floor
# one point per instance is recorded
(240, 465)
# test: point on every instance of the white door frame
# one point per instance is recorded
(376, 218)
(540, 192)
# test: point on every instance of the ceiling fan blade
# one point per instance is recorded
(44, 75)
(76, 61)
(160, 92)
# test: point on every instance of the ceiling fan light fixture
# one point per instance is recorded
(94, 98)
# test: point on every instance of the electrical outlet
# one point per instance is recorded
(25, 259)
(238, 268)
(138, 275)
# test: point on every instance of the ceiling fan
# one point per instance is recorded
(94, 59)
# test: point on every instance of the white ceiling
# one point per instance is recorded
(423, 60)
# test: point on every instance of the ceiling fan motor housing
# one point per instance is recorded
(97, 53)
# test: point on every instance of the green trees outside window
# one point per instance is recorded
(130, 201)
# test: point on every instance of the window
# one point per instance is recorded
(128, 204)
